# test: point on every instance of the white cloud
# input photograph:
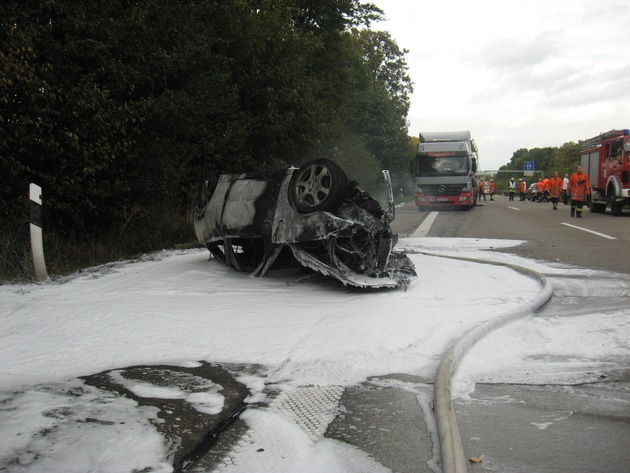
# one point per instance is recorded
(516, 53)
(517, 74)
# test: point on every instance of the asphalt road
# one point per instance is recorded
(597, 241)
(384, 416)
(591, 420)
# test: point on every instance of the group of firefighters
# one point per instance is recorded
(574, 190)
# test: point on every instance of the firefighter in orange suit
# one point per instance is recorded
(580, 189)
(555, 188)
(540, 188)
(522, 187)
(546, 188)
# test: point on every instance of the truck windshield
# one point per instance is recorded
(442, 166)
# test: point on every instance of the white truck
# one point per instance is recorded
(445, 170)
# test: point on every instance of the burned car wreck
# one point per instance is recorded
(312, 215)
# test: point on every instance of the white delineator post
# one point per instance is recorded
(37, 245)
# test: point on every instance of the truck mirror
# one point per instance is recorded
(474, 165)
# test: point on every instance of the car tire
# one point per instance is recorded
(318, 185)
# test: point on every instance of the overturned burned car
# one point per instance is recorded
(313, 215)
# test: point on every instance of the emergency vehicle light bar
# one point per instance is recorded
(599, 139)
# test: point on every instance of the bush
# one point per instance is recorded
(69, 250)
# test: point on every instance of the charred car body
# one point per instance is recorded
(313, 215)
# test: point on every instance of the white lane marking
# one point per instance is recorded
(513, 208)
(425, 226)
(603, 235)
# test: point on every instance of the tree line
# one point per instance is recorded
(563, 159)
(119, 108)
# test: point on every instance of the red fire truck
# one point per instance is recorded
(605, 159)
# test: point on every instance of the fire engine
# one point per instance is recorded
(444, 169)
(605, 159)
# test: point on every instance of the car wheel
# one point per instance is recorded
(318, 185)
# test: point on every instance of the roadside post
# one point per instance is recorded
(37, 245)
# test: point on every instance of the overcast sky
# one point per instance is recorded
(516, 74)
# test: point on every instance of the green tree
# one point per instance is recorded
(119, 108)
(382, 108)
(62, 127)
(547, 160)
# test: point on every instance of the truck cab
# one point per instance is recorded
(444, 170)
(606, 160)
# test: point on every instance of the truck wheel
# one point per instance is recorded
(318, 185)
(615, 207)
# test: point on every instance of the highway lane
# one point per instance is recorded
(597, 241)
(589, 419)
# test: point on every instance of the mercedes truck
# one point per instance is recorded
(444, 170)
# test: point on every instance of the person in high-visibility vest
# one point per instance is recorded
(580, 189)
(512, 188)
(492, 190)
(482, 189)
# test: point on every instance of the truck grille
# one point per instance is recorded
(442, 189)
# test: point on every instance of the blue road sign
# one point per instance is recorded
(529, 165)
